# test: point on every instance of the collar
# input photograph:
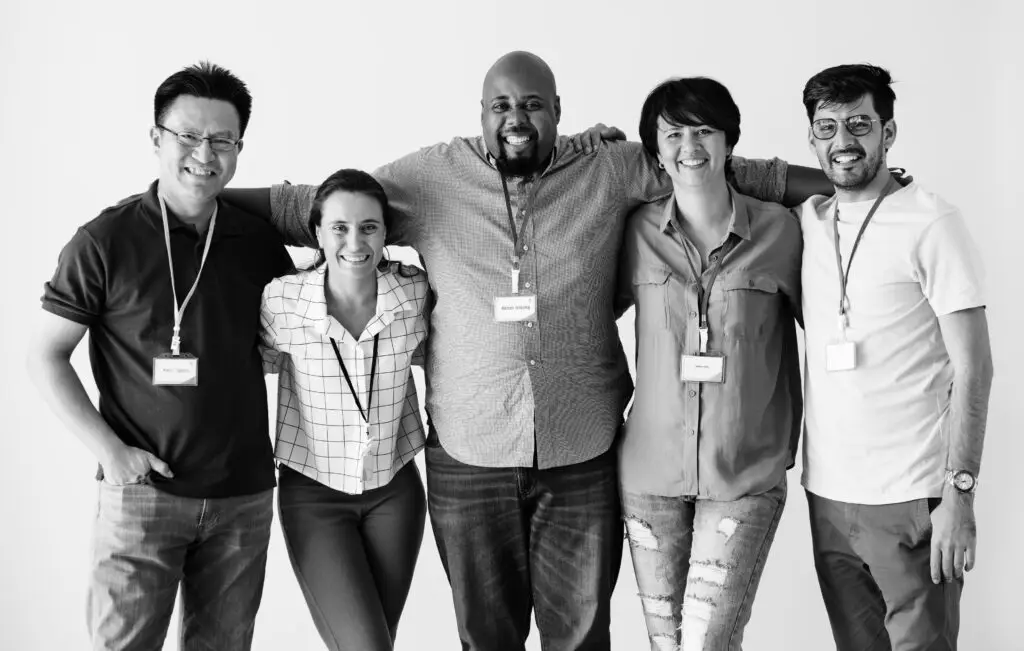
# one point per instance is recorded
(228, 222)
(391, 300)
(739, 221)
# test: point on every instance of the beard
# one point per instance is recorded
(859, 177)
(521, 166)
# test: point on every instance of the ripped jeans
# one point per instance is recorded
(698, 563)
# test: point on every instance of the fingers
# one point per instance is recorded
(159, 466)
(947, 562)
(936, 562)
(577, 147)
(969, 558)
(614, 133)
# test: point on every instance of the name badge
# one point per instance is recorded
(841, 356)
(176, 370)
(514, 308)
(702, 368)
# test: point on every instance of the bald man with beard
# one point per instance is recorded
(526, 377)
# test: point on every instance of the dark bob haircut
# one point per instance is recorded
(347, 180)
(690, 101)
(205, 80)
(848, 83)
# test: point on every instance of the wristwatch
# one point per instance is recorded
(963, 481)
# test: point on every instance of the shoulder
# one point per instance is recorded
(248, 225)
(772, 217)
(117, 220)
(289, 285)
(920, 204)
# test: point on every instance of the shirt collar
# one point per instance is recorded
(228, 222)
(391, 300)
(739, 221)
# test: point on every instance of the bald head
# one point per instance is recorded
(519, 113)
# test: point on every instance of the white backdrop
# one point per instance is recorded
(357, 84)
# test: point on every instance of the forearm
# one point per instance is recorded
(61, 388)
(803, 183)
(968, 414)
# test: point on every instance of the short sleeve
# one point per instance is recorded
(401, 182)
(949, 266)
(760, 178)
(289, 212)
(78, 289)
(643, 180)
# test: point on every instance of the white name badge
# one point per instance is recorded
(514, 308)
(175, 370)
(702, 368)
(841, 356)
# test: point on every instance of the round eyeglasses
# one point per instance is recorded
(856, 125)
(194, 140)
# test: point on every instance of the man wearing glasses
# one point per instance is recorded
(897, 379)
(168, 285)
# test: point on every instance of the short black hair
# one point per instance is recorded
(207, 80)
(690, 101)
(347, 180)
(848, 83)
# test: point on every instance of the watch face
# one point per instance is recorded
(963, 481)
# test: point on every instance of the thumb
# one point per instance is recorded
(158, 465)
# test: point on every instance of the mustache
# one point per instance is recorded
(854, 150)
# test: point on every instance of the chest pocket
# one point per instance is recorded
(752, 305)
(650, 288)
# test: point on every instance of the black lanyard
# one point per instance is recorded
(373, 372)
(844, 277)
(516, 236)
(704, 293)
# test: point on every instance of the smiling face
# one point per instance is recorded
(693, 156)
(351, 233)
(852, 162)
(195, 176)
(519, 114)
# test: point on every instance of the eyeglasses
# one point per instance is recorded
(856, 125)
(193, 140)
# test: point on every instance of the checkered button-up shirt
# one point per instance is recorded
(556, 384)
(320, 431)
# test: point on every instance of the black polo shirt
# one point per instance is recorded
(114, 278)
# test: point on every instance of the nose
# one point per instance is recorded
(843, 137)
(204, 152)
(690, 142)
(353, 238)
(516, 117)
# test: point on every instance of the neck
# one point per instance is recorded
(868, 192)
(348, 290)
(704, 209)
(195, 213)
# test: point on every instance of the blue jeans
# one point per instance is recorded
(698, 563)
(353, 555)
(874, 571)
(147, 542)
(516, 539)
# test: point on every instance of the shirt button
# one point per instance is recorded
(533, 362)
(693, 315)
(692, 432)
(527, 285)
(714, 258)
(529, 324)
(526, 247)
(692, 393)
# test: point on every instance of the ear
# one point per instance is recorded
(240, 144)
(319, 241)
(889, 134)
(154, 137)
(558, 109)
(728, 150)
(811, 140)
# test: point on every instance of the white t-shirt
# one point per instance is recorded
(876, 434)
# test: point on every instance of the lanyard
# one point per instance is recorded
(704, 293)
(516, 253)
(351, 387)
(844, 277)
(179, 311)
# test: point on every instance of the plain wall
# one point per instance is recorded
(346, 84)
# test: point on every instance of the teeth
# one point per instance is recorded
(846, 158)
(517, 140)
(359, 258)
(199, 172)
(692, 162)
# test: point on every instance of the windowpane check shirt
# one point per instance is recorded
(554, 386)
(713, 440)
(320, 431)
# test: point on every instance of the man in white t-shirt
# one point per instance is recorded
(897, 379)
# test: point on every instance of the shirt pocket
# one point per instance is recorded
(753, 303)
(650, 288)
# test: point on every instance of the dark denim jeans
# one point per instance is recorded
(147, 542)
(353, 555)
(874, 571)
(698, 563)
(512, 539)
